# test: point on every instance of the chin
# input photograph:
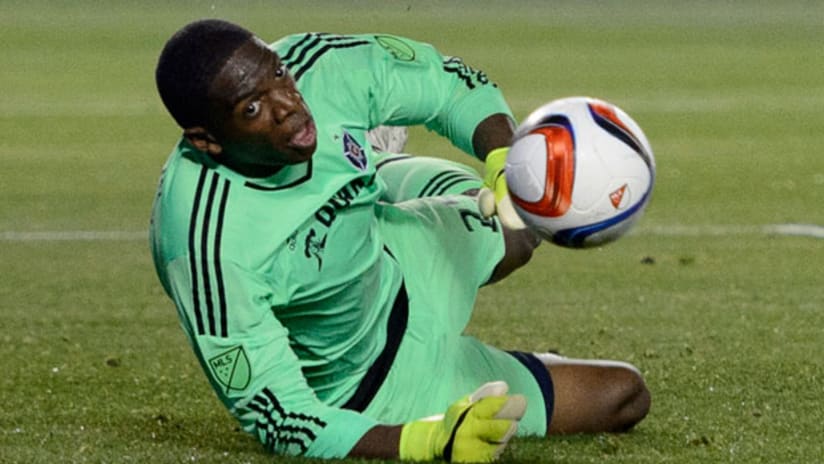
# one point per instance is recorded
(301, 155)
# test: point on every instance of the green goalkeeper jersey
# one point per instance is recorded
(284, 285)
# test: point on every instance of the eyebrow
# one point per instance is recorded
(254, 91)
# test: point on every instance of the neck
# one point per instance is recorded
(257, 171)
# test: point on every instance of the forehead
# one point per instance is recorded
(240, 74)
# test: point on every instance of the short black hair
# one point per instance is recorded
(189, 61)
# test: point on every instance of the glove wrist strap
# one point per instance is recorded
(417, 441)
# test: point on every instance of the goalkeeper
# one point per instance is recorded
(323, 283)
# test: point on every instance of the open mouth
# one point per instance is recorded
(305, 137)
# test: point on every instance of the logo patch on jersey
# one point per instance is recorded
(232, 369)
(399, 49)
(353, 151)
(314, 247)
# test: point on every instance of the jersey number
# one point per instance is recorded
(471, 217)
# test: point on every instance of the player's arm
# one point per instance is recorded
(492, 133)
(403, 82)
(475, 428)
(453, 99)
(246, 355)
(493, 136)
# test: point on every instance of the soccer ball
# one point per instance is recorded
(580, 172)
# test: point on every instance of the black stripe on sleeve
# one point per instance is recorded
(311, 61)
(221, 291)
(288, 55)
(307, 42)
(272, 399)
(282, 428)
(298, 59)
(204, 254)
(192, 254)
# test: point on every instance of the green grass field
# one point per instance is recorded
(725, 319)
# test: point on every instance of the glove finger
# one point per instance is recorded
(486, 202)
(488, 407)
(486, 442)
(507, 214)
(501, 187)
(513, 409)
(497, 431)
(496, 388)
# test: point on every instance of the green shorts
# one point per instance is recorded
(407, 177)
(446, 250)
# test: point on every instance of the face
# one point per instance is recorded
(259, 117)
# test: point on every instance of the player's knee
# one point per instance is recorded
(632, 398)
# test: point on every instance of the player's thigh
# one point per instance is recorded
(407, 177)
(477, 363)
(445, 249)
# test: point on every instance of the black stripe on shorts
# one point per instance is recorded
(541, 374)
(372, 381)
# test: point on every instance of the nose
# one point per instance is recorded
(285, 102)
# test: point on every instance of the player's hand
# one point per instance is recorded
(494, 197)
(475, 428)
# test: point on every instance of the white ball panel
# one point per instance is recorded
(525, 168)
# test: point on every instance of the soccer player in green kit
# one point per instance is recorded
(324, 285)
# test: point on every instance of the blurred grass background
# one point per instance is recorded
(723, 317)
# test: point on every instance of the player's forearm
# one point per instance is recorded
(380, 442)
(493, 132)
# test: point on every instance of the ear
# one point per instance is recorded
(203, 140)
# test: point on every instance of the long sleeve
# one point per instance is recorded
(246, 355)
(395, 81)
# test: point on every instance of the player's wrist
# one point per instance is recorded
(493, 199)
(418, 441)
(494, 168)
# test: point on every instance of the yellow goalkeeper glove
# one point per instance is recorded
(475, 428)
(494, 197)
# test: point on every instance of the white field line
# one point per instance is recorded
(73, 236)
(803, 230)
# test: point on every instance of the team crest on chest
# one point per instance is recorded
(353, 151)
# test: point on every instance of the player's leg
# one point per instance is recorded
(595, 396)
(519, 245)
(408, 177)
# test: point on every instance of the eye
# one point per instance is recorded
(252, 109)
(280, 71)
